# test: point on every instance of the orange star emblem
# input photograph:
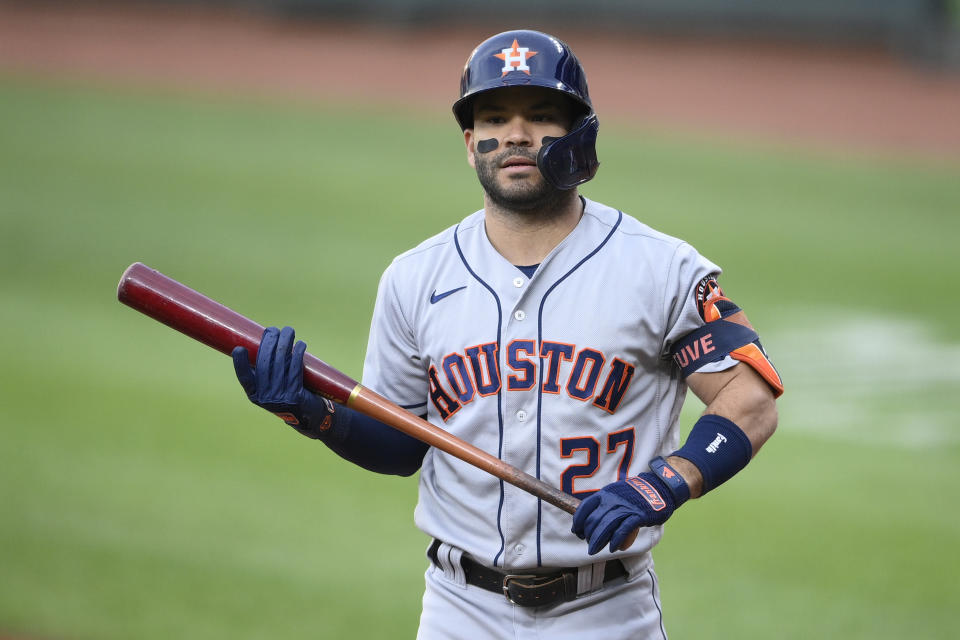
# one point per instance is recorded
(515, 58)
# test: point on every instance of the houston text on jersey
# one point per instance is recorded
(476, 371)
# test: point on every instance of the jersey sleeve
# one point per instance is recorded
(691, 280)
(393, 367)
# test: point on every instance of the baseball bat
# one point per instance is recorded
(215, 325)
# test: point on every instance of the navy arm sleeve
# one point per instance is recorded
(373, 445)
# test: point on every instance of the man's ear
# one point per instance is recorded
(471, 147)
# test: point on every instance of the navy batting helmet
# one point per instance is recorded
(526, 58)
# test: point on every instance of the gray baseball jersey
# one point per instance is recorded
(565, 375)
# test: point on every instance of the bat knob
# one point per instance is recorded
(630, 540)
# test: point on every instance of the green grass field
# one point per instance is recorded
(143, 497)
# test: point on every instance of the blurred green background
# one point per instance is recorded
(143, 497)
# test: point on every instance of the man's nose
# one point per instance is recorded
(518, 133)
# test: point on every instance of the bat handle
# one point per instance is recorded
(569, 504)
(630, 540)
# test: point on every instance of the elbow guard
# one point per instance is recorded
(726, 333)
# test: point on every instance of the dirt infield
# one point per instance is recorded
(857, 100)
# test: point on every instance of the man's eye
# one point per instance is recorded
(543, 117)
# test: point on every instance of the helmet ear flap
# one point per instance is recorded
(571, 160)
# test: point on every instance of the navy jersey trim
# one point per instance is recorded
(540, 351)
(653, 596)
(456, 242)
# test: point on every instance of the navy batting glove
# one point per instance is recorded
(613, 512)
(276, 382)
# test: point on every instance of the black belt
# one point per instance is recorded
(527, 590)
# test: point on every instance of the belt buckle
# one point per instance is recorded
(506, 585)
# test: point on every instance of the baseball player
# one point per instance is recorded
(560, 335)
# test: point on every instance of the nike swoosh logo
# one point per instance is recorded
(435, 297)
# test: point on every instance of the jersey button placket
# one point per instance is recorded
(519, 415)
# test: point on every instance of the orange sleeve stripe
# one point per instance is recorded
(753, 356)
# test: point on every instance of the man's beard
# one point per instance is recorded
(517, 195)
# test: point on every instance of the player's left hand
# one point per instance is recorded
(276, 383)
(613, 512)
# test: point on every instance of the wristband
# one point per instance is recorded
(718, 448)
(672, 478)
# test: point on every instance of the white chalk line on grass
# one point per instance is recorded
(872, 379)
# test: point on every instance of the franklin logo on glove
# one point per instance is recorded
(656, 502)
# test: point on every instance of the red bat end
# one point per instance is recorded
(203, 319)
(188, 311)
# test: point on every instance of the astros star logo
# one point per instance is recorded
(515, 58)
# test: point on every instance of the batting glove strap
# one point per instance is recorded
(718, 448)
(314, 417)
(672, 479)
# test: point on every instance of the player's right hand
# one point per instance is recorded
(275, 383)
(611, 514)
